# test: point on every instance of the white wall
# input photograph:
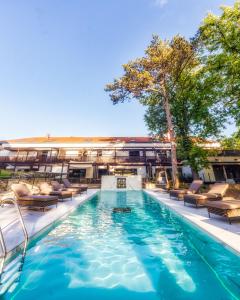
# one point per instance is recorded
(134, 182)
(71, 153)
(141, 171)
(122, 153)
(5, 153)
(110, 153)
(58, 169)
(89, 172)
(150, 153)
(207, 174)
(186, 171)
(42, 169)
(19, 168)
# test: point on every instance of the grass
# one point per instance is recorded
(5, 174)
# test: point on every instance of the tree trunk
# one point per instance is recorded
(172, 139)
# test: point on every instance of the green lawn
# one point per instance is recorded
(5, 174)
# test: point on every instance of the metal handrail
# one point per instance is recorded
(3, 245)
(2, 241)
(26, 237)
(14, 201)
(4, 254)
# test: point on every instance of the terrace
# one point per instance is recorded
(39, 223)
(120, 150)
(36, 221)
(228, 234)
(86, 159)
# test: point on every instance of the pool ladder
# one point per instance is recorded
(10, 273)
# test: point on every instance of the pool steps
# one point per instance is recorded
(11, 272)
(12, 280)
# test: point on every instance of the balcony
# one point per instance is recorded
(83, 159)
(229, 153)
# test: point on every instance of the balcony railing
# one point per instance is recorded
(229, 153)
(86, 159)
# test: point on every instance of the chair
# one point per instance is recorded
(216, 192)
(24, 197)
(229, 208)
(193, 188)
(68, 184)
(47, 189)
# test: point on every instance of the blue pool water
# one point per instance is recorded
(147, 253)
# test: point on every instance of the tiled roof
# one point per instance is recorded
(68, 140)
(79, 140)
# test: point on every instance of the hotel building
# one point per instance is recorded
(88, 158)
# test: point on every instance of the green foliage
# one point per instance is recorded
(203, 99)
(231, 143)
(189, 88)
(154, 78)
(5, 173)
(156, 72)
(195, 112)
(197, 158)
(155, 116)
(220, 37)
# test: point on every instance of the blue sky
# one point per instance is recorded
(56, 57)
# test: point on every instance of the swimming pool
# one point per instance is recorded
(141, 252)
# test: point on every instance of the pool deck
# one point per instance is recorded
(216, 226)
(35, 221)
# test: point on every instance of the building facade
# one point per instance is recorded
(88, 158)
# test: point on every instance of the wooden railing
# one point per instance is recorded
(87, 159)
(229, 153)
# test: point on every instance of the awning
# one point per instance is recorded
(80, 166)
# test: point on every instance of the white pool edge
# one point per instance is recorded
(217, 228)
(58, 217)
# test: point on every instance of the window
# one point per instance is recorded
(99, 153)
(233, 172)
(125, 172)
(134, 153)
(77, 173)
(102, 172)
(218, 173)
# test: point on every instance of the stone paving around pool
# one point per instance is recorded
(35, 221)
(216, 226)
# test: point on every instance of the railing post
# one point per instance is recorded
(4, 250)
(3, 246)
(21, 219)
(62, 171)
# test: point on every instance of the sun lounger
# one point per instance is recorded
(24, 197)
(47, 189)
(68, 184)
(60, 187)
(228, 208)
(193, 188)
(216, 192)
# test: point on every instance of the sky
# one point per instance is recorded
(56, 57)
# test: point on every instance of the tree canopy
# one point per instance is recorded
(220, 37)
(232, 142)
(157, 73)
(196, 109)
(189, 87)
